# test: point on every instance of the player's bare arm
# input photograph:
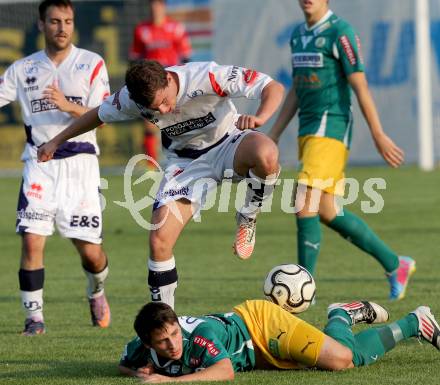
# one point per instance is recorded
(288, 111)
(55, 96)
(85, 123)
(391, 153)
(220, 371)
(142, 372)
(271, 98)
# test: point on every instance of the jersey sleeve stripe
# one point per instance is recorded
(216, 87)
(96, 71)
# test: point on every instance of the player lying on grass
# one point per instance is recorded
(203, 136)
(258, 334)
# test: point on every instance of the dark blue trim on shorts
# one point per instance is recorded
(68, 149)
(194, 154)
(28, 131)
(22, 204)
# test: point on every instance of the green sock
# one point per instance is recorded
(339, 328)
(309, 241)
(354, 229)
(371, 344)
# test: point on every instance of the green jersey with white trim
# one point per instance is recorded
(206, 340)
(322, 58)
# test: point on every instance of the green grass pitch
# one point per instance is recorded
(212, 279)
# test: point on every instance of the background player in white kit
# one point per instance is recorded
(54, 86)
(202, 136)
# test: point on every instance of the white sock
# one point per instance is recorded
(258, 190)
(95, 287)
(162, 280)
(32, 302)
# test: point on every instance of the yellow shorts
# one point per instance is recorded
(323, 163)
(283, 340)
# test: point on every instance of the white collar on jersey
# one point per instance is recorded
(156, 360)
(321, 21)
(71, 53)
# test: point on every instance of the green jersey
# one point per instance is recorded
(322, 58)
(206, 340)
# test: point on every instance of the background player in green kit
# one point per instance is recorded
(258, 334)
(327, 62)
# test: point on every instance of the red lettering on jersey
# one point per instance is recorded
(216, 87)
(116, 101)
(106, 95)
(96, 71)
(348, 49)
(250, 76)
(209, 345)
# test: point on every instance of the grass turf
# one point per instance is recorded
(212, 279)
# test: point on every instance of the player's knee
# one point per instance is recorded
(32, 248)
(343, 359)
(267, 158)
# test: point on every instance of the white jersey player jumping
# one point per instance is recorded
(53, 87)
(203, 136)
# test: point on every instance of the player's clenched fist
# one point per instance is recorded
(46, 151)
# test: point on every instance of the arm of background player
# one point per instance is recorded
(55, 96)
(85, 123)
(392, 154)
(182, 44)
(8, 86)
(288, 111)
(136, 49)
(220, 371)
(271, 98)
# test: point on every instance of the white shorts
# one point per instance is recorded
(192, 179)
(62, 191)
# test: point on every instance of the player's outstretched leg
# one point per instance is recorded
(428, 327)
(257, 158)
(399, 278)
(360, 312)
(371, 344)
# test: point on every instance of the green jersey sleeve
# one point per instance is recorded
(349, 50)
(135, 355)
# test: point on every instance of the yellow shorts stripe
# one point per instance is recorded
(323, 162)
(285, 341)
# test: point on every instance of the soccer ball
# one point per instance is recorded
(290, 286)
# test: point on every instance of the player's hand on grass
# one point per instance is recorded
(246, 122)
(145, 371)
(45, 151)
(392, 154)
(55, 96)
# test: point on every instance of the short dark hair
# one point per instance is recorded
(45, 4)
(143, 79)
(153, 316)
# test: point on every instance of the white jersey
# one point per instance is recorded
(82, 78)
(205, 114)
